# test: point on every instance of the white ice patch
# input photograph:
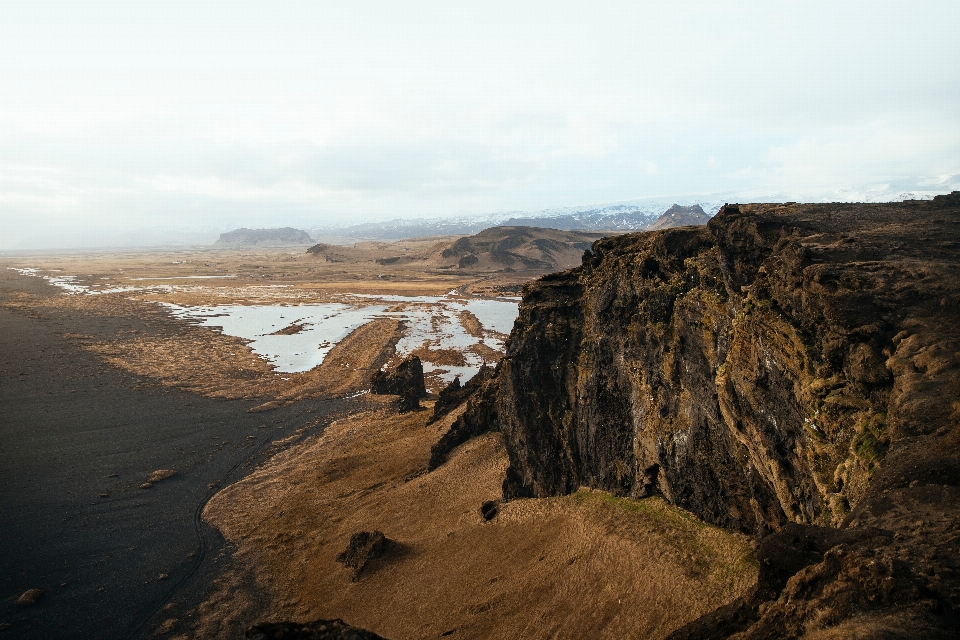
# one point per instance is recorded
(496, 315)
(432, 322)
(72, 286)
(324, 325)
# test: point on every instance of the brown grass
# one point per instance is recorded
(489, 354)
(471, 324)
(586, 565)
(208, 362)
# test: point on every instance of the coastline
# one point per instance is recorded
(79, 437)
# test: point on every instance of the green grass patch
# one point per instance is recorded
(718, 555)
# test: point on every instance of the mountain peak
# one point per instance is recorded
(677, 216)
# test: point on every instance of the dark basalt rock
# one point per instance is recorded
(364, 547)
(317, 630)
(474, 421)
(455, 394)
(785, 370)
(490, 509)
(406, 381)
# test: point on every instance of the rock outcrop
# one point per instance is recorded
(406, 381)
(364, 547)
(787, 370)
(455, 394)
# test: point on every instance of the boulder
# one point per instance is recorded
(364, 547)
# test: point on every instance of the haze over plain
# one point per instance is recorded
(166, 122)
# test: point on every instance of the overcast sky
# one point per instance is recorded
(123, 116)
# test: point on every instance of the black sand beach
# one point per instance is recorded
(78, 438)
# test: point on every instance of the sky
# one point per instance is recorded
(131, 121)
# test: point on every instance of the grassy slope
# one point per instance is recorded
(585, 565)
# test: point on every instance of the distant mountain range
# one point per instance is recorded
(638, 216)
(677, 216)
(595, 220)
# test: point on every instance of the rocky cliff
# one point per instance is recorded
(788, 370)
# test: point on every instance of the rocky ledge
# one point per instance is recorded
(791, 371)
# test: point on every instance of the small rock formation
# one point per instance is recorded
(677, 216)
(406, 381)
(454, 394)
(285, 237)
(335, 629)
(790, 371)
(161, 474)
(364, 547)
(479, 417)
(29, 597)
(490, 509)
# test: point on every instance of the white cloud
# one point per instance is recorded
(124, 114)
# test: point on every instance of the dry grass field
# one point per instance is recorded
(588, 565)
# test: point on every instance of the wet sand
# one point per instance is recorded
(78, 437)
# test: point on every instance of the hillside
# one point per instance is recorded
(286, 236)
(789, 371)
(677, 216)
(517, 248)
(498, 249)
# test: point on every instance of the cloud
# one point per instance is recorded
(192, 115)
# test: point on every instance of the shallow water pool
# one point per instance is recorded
(312, 330)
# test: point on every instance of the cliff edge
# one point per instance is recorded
(791, 371)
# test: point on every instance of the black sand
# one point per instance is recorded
(77, 439)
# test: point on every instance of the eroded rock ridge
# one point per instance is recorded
(785, 364)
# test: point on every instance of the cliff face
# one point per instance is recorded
(784, 364)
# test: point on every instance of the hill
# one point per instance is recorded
(517, 248)
(283, 237)
(497, 249)
(677, 216)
